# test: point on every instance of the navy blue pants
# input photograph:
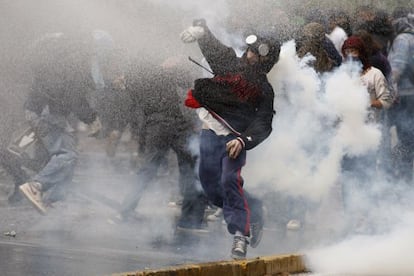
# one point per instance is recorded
(221, 179)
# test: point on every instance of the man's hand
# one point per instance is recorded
(376, 104)
(191, 34)
(234, 147)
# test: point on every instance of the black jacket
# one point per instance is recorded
(239, 95)
(62, 98)
(154, 98)
(61, 80)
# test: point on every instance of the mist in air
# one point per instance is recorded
(319, 119)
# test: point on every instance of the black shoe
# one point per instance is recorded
(239, 249)
(256, 233)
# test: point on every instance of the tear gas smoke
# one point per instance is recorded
(315, 125)
(368, 255)
(318, 121)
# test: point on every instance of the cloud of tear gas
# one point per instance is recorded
(144, 30)
(387, 254)
(318, 121)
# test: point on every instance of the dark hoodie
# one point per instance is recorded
(61, 78)
(239, 95)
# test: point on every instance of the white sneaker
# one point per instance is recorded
(239, 248)
(216, 215)
(32, 191)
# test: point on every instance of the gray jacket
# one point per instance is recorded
(401, 56)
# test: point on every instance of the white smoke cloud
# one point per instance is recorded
(318, 120)
(387, 254)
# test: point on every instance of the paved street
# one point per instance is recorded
(82, 235)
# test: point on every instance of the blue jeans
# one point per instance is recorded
(61, 147)
(221, 179)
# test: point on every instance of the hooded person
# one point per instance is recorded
(160, 126)
(401, 58)
(313, 39)
(355, 50)
(375, 56)
(61, 82)
(236, 110)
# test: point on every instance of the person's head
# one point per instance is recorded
(365, 13)
(261, 52)
(61, 60)
(313, 32)
(400, 12)
(339, 18)
(362, 17)
(401, 25)
(354, 49)
(371, 45)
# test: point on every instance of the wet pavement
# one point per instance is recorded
(83, 236)
(21, 258)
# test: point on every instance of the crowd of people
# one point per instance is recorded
(231, 112)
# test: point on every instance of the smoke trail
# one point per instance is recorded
(315, 125)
